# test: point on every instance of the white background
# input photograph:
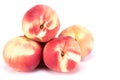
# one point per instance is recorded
(101, 17)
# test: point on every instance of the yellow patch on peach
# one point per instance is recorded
(63, 64)
(41, 34)
(20, 49)
(73, 56)
(54, 20)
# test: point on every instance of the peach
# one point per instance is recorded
(40, 23)
(82, 35)
(22, 54)
(62, 54)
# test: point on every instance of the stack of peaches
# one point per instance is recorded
(61, 53)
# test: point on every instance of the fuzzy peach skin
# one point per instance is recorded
(62, 54)
(22, 54)
(40, 23)
(82, 35)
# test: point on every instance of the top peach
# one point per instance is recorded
(40, 23)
